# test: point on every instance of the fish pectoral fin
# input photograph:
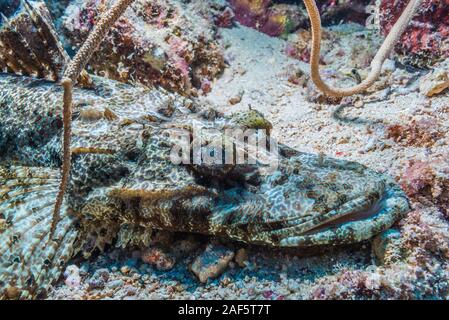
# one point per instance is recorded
(29, 261)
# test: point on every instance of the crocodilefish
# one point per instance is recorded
(125, 183)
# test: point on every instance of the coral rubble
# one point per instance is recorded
(436, 81)
(428, 182)
(163, 43)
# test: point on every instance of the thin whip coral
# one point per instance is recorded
(73, 70)
(376, 65)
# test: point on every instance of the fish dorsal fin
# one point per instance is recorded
(29, 262)
(29, 44)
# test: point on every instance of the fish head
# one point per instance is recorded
(173, 172)
(309, 200)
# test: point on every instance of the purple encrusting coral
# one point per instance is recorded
(426, 39)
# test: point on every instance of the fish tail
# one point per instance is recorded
(30, 261)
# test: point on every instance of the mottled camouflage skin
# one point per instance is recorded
(133, 171)
(126, 186)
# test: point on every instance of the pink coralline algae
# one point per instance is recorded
(419, 132)
(428, 181)
(426, 39)
(418, 176)
(154, 43)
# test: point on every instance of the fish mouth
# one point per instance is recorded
(363, 214)
(359, 213)
(357, 209)
(352, 226)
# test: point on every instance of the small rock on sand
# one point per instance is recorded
(212, 262)
(115, 284)
(241, 257)
(436, 81)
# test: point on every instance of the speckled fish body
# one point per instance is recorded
(123, 183)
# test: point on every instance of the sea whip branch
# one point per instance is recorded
(71, 73)
(376, 65)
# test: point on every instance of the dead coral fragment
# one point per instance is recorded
(423, 236)
(212, 262)
(436, 81)
(418, 175)
(158, 258)
(225, 19)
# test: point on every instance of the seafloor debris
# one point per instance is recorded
(98, 279)
(157, 42)
(72, 276)
(225, 18)
(426, 40)
(436, 81)
(241, 257)
(386, 246)
(159, 258)
(421, 131)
